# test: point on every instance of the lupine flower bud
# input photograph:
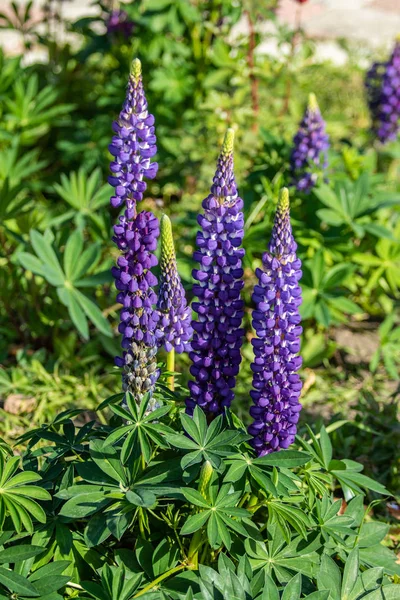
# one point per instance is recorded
(205, 479)
(175, 315)
(119, 23)
(276, 321)
(383, 95)
(218, 334)
(310, 144)
(133, 145)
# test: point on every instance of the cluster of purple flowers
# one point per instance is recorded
(218, 333)
(310, 144)
(276, 320)
(175, 314)
(132, 147)
(149, 321)
(383, 95)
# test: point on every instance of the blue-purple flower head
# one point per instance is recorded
(175, 314)
(383, 95)
(218, 333)
(276, 320)
(308, 159)
(133, 145)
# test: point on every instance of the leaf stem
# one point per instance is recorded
(158, 580)
(171, 367)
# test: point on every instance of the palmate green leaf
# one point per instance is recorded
(76, 313)
(72, 252)
(107, 459)
(93, 312)
(283, 458)
(195, 522)
(17, 584)
(46, 254)
(84, 505)
(18, 553)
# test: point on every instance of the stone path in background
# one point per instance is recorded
(369, 23)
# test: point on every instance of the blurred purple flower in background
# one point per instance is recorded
(383, 95)
(310, 144)
(119, 23)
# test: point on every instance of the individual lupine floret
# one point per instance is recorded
(136, 237)
(133, 145)
(276, 321)
(383, 96)
(310, 144)
(218, 333)
(175, 314)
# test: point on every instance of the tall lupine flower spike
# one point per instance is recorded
(136, 237)
(133, 145)
(218, 334)
(383, 95)
(276, 321)
(175, 315)
(310, 145)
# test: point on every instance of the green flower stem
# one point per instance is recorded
(252, 504)
(150, 586)
(195, 545)
(171, 367)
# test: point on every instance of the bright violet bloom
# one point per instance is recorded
(310, 144)
(136, 237)
(383, 95)
(133, 145)
(276, 321)
(218, 334)
(175, 314)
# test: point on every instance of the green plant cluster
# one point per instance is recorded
(161, 505)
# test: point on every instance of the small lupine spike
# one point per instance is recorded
(310, 144)
(218, 333)
(383, 95)
(175, 315)
(276, 320)
(133, 145)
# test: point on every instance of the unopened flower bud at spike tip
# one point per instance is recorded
(312, 103)
(283, 202)
(136, 69)
(229, 139)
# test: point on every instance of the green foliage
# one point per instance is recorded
(127, 525)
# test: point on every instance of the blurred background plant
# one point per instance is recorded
(206, 67)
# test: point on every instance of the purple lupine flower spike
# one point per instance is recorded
(175, 314)
(136, 237)
(383, 95)
(276, 320)
(218, 334)
(310, 144)
(133, 145)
